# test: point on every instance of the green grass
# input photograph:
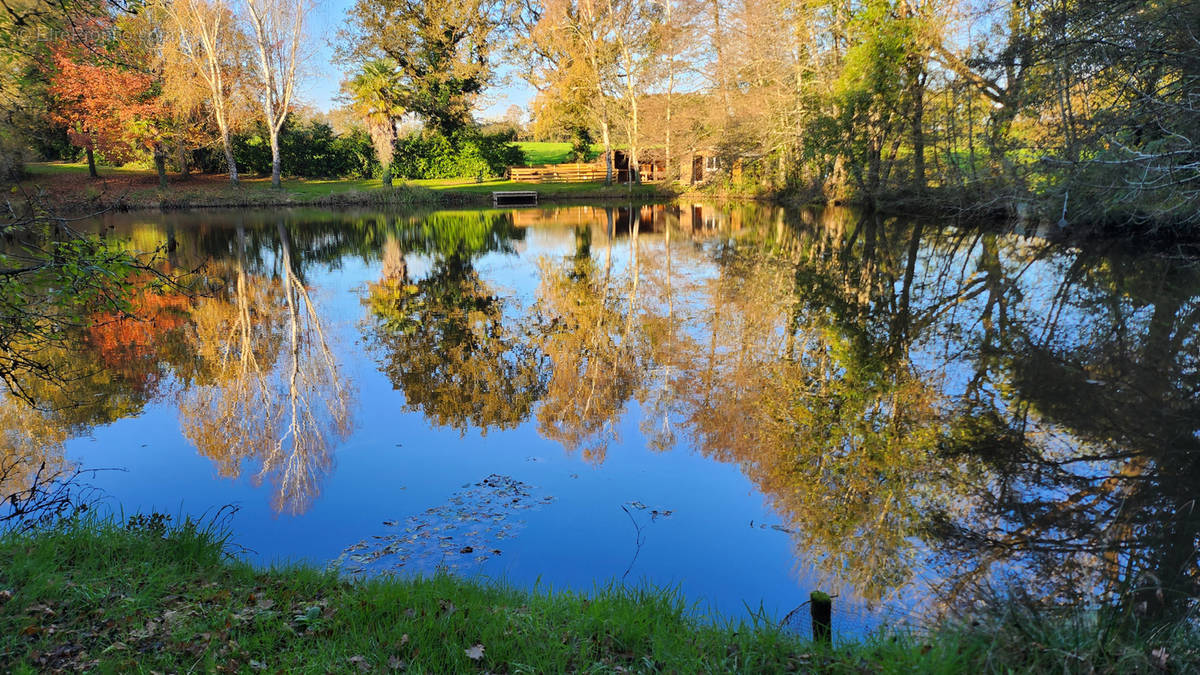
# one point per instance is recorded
(538, 153)
(148, 596)
(544, 153)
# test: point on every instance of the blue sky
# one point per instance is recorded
(324, 76)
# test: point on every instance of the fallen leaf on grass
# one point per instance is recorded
(475, 653)
(397, 663)
(360, 662)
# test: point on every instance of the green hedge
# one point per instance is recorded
(309, 150)
(466, 154)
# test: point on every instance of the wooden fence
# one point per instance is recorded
(562, 173)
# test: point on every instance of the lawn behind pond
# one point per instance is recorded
(148, 595)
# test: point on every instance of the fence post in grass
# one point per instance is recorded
(822, 616)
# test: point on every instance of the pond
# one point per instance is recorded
(744, 402)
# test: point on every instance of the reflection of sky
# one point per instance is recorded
(324, 77)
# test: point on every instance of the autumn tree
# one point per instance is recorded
(572, 57)
(107, 108)
(205, 42)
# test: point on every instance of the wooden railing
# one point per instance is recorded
(561, 173)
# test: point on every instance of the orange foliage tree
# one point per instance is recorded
(107, 108)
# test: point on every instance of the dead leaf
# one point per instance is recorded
(404, 639)
(5, 596)
(475, 653)
(257, 665)
(1160, 657)
(397, 663)
(360, 662)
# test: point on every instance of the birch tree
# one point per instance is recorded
(206, 39)
(278, 30)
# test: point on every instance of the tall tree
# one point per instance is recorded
(572, 58)
(442, 50)
(278, 29)
(205, 40)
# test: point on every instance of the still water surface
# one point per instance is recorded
(747, 403)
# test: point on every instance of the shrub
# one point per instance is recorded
(466, 154)
(307, 149)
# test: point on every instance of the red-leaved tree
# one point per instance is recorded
(107, 108)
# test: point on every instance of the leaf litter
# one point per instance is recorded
(467, 529)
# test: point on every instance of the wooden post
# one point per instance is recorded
(822, 617)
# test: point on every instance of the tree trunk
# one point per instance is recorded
(635, 169)
(275, 165)
(386, 178)
(672, 40)
(181, 156)
(160, 165)
(608, 158)
(918, 133)
(229, 161)
(91, 160)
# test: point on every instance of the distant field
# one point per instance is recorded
(537, 153)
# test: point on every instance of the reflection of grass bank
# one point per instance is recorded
(101, 596)
(66, 187)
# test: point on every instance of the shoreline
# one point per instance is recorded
(97, 593)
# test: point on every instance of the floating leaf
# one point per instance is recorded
(469, 523)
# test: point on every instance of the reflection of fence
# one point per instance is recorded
(563, 173)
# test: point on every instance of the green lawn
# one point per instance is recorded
(538, 153)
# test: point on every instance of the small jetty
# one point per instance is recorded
(515, 198)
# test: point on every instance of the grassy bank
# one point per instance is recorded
(145, 596)
(67, 188)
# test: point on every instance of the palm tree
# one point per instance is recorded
(372, 94)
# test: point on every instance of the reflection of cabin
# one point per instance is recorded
(688, 218)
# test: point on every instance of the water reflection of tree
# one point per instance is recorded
(1095, 452)
(272, 391)
(803, 379)
(105, 368)
(444, 340)
(886, 382)
(588, 334)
